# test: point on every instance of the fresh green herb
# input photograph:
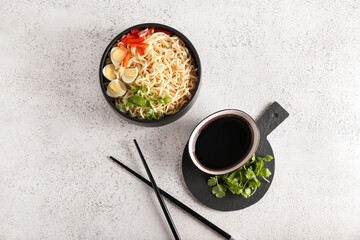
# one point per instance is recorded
(142, 89)
(213, 181)
(151, 115)
(219, 190)
(134, 88)
(141, 98)
(167, 100)
(162, 100)
(121, 107)
(131, 105)
(143, 93)
(127, 104)
(243, 180)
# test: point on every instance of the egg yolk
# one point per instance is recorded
(109, 72)
(130, 72)
(118, 54)
(114, 87)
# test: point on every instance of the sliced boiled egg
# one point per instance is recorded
(129, 74)
(117, 55)
(116, 89)
(109, 72)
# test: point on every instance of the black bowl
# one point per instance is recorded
(167, 119)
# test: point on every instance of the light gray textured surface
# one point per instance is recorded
(56, 128)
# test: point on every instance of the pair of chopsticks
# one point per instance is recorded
(169, 197)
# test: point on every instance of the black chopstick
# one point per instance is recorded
(175, 201)
(158, 195)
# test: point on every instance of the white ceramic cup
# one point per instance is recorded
(234, 113)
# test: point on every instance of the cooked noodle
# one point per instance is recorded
(167, 68)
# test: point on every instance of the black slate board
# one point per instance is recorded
(196, 180)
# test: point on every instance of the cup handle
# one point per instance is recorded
(270, 119)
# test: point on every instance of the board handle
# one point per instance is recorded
(270, 119)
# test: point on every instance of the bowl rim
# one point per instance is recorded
(170, 118)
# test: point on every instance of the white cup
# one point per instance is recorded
(233, 113)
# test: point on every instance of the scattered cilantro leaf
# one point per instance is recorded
(212, 181)
(219, 190)
(246, 193)
(243, 180)
(265, 172)
(268, 158)
(250, 174)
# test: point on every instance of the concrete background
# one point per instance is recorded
(56, 128)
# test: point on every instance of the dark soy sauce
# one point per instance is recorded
(223, 142)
